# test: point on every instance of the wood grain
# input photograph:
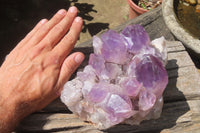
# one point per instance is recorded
(181, 111)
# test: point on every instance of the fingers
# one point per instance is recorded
(59, 30)
(68, 67)
(43, 31)
(54, 34)
(67, 43)
(33, 31)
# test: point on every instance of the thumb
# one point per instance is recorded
(70, 64)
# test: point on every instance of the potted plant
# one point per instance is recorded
(138, 7)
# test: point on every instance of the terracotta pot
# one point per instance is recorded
(135, 10)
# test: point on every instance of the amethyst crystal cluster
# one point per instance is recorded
(123, 82)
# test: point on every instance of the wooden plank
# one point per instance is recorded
(56, 107)
(179, 72)
(152, 22)
(179, 88)
(178, 60)
(181, 111)
(51, 122)
(183, 84)
(174, 46)
(175, 115)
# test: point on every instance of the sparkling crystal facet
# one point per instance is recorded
(123, 82)
(136, 38)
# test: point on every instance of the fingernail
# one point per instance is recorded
(78, 19)
(43, 21)
(72, 9)
(79, 58)
(61, 12)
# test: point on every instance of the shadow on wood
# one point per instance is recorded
(178, 114)
(95, 28)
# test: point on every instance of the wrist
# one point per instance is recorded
(9, 118)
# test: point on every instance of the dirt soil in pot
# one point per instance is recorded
(148, 4)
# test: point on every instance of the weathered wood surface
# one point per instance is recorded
(181, 111)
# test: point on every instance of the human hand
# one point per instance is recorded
(35, 71)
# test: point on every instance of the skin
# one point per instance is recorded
(35, 71)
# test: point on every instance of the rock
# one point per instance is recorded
(124, 80)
